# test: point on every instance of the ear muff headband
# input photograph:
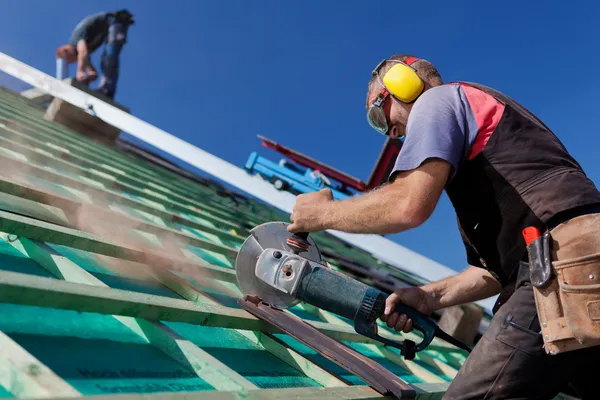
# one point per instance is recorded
(403, 82)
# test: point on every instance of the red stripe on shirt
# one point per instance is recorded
(487, 111)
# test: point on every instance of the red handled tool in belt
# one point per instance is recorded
(538, 249)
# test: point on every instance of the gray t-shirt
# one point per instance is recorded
(442, 125)
(93, 29)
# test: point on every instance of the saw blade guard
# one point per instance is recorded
(273, 236)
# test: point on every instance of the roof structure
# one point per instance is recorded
(116, 277)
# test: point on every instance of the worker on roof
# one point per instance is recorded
(104, 27)
(505, 172)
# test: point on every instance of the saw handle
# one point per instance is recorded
(302, 235)
(372, 308)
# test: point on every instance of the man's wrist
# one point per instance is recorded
(328, 215)
(433, 297)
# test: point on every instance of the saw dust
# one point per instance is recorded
(97, 215)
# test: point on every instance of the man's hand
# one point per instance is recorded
(414, 297)
(81, 76)
(310, 210)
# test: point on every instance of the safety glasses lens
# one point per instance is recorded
(377, 119)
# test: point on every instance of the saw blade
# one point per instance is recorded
(268, 235)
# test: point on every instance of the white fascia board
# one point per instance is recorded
(379, 246)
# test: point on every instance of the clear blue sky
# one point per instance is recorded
(218, 73)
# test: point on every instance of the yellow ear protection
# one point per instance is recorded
(402, 80)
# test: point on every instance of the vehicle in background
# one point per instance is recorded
(294, 178)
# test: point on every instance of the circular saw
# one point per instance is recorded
(282, 269)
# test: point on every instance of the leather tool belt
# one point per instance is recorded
(565, 273)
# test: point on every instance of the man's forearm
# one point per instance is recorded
(401, 205)
(378, 212)
(471, 285)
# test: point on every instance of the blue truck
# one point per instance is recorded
(294, 178)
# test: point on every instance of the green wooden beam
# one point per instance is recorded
(23, 375)
(95, 170)
(25, 191)
(96, 192)
(17, 288)
(74, 152)
(21, 199)
(196, 360)
(342, 393)
(50, 233)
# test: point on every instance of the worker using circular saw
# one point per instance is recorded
(528, 215)
(105, 27)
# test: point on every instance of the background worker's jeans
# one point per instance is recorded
(117, 36)
(509, 361)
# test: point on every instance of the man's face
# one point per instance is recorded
(396, 113)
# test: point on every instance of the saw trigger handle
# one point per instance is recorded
(372, 308)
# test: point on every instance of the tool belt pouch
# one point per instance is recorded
(567, 295)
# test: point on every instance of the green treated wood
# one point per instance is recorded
(17, 288)
(50, 233)
(102, 192)
(266, 341)
(44, 212)
(75, 146)
(162, 177)
(25, 191)
(66, 212)
(342, 393)
(95, 169)
(25, 376)
(211, 370)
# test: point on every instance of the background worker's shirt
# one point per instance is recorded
(444, 123)
(93, 29)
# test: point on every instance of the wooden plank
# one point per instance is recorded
(98, 168)
(346, 393)
(147, 203)
(64, 211)
(30, 208)
(25, 376)
(17, 288)
(148, 169)
(27, 191)
(50, 233)
(82, 158)
(207, 367)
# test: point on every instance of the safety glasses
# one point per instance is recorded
(376, 113)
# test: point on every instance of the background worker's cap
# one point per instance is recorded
(124, 16)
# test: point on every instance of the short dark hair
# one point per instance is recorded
(424, 68)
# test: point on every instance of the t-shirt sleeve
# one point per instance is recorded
(82, 30)
(440, 125)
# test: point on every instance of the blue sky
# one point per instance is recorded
(219, 73)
